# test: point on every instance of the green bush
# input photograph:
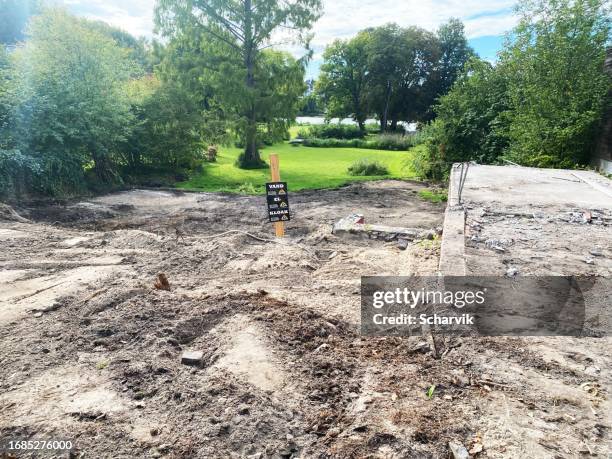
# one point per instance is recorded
(18, 173)
(25, 174)
(393, 142)
(428, 162)
(332, 131)
(334, 143)
(367, 167)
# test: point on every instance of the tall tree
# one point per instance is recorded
(412, 100)
(240, 30)
(71, 101)
(344, 78)
(557, 86)
(4, 98)
(454, 54)
(387, 55)
(473, 114)
(140, 49)
(14, 15)
(401, 63)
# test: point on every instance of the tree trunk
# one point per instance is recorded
(386, 110)
(250, 159)
(394, 125)
(103, 168)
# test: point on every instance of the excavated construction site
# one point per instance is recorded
(169, 324)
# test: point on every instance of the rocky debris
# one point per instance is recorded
(575, 216)
(589, 261)
(192, 358)
(421, 347)
(499, 245)
(458, 451)
(161, 283)
(402, 244)
(355, 226)
(592, 217)
(512, 271)
(430, 235)
(477, 447)
(596, 253)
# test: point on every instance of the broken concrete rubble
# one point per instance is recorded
(355, 226)
(458, 451)
(192, 358)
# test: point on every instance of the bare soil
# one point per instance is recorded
(91, 351)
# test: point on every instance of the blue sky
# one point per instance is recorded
(485, 20)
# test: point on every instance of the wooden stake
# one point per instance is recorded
(279, 227)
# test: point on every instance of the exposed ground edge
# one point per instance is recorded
(452, 256)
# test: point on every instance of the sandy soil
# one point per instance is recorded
(92, 352)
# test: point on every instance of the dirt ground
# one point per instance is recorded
(91, 351)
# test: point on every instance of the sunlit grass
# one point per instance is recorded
(435, 196)
(302, 167)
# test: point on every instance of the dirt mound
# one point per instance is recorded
(133, 239)
(283, 370)
(8, 214)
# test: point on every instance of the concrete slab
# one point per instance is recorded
(552, 218)
(517, 186)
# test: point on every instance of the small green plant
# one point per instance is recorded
(435, 196)
(366, 167)
(430, 391)
(246, 188)
(102, 364)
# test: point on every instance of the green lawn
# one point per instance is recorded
(301, 167)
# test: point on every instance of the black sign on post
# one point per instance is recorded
(278, 202)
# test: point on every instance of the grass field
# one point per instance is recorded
(302, 167)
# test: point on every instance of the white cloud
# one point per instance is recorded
(134, 16)
(341, 18)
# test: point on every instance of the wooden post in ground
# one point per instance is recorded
(279, 227)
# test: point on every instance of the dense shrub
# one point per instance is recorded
(393, 142)
(23, 174)
(18, 173)
(334, 143)
(557, 85)
(166, 135)
(540, 105)
(367, 167)
(331, 131)
(396, 142)
(471, 124)
(428, 160)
